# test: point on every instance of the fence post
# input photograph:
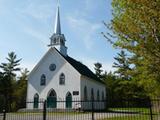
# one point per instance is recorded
(150, 108)
(4, 115)
(92, 109)
(44, 110)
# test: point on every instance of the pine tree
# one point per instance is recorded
(122, 65)
(98, 69)
(21, 90)
(8, 79)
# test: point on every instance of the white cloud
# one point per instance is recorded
(36, 10)
(89, 5)
(85, 30)
(27, 65)
(34, 33)
(24, 65)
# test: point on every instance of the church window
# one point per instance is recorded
(52, 67)
(55, 40)
(43, 79)
(98, 98)
(62, 79)
(85, 93)
(62, 41)
(102, 95)
(92, 94)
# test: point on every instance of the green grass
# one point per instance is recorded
(135, 117)
(48, 113)
(141, 110)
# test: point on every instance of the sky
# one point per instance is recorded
(27, 25)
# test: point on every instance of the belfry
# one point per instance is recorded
(57, 40)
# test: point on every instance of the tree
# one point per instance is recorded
(122, 65)
(98, 69)
(21, 90)
(1, 93)
(111, 82)
(8, 79)
(137, 21)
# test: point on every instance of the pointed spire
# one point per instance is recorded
(57, 29)
(58, 39)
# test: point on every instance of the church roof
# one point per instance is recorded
(81, 68)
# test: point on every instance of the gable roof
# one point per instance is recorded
(81, 68)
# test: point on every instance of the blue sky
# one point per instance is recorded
(27, 25)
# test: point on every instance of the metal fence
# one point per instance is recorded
(119, 109)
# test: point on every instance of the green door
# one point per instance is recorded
(51, 102)
(69, 101)
(36, 101)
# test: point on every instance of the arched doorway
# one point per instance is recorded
(68, 100)
(52, 99)
(36, 101)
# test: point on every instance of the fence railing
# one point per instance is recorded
(119, 109)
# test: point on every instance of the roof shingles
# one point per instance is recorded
(81, 68)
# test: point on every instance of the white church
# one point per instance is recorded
(57, 77)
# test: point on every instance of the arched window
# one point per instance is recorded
(92, 94)
(62, 79)
(43, 80)
(85, 93)
(36, 101)
(102, 95)
(98, 98)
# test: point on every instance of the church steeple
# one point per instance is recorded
(58, 39)
(57, 29)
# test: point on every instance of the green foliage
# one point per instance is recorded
(111, 84)
(21, 90)
(13, 89)
(10, 67)
(136, 25)
(122, 65)
(8, 80)
(98, 69)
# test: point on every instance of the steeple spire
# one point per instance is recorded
(57, 29)
(58, 39)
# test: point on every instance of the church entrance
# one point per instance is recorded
(36, 101)
(52, 99)
(68, 100)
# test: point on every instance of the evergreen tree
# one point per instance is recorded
(8, 79)
(122, 65)
(21, 90)
(111, 83)
(98, 69)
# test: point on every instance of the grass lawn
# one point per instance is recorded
(48, 113)
(135, 117)
(141, 110)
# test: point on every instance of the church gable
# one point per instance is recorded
(49, 66)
